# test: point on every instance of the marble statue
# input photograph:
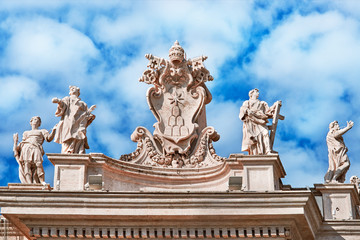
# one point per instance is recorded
(29, 152)
(75, 118)
(338, 159)
(356, 181)
(256, 114)
(177, 99)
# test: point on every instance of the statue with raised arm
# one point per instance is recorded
(75, 118)
(256, 114)
(338, 160)
(29, 152)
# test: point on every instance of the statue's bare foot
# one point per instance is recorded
(271, 153)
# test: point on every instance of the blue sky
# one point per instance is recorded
(305, 53)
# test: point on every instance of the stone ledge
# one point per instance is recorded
(29, 186)
(277, 232)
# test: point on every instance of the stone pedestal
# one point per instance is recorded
(70, 171)
(97, 172)
(340, 201)
(260, 172)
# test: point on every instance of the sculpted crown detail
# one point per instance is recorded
(177, 100)
(176, 53)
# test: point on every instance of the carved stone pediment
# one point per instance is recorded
(177, 99)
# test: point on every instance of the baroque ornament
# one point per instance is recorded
(177, 100)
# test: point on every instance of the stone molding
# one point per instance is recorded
(279, 232)
(349, 230)
(125, 176)
(295, 211)
(29, 186)
(259, 173)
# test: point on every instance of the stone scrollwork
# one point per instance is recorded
(177, 99)
(203, 154)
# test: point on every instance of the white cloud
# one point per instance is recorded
(41, 47)
(310, 63)
(51, 6)
(349, 8)
(16, 91)
(301, 164)
(224, 117)
(116, 143)
(215, 31)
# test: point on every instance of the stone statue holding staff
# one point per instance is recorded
(256, 114)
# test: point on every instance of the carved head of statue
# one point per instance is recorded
(74, 90)
(176, 53)
(254, 93)
(36, 121)
(334, 125)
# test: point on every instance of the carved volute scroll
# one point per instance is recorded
(177, 100)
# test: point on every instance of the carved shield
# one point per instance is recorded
(176, 110)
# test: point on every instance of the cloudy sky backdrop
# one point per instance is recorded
(305, 53)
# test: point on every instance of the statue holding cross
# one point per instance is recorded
(256, 114)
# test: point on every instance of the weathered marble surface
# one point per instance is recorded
(340, 201)
(177, 100)
(75, 118)
(154, 215)
(256, 114)
(338, 159)
(29, 152)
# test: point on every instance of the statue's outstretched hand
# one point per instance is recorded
(350, 124)
(92, 108)
(54, 128)
(16, 137)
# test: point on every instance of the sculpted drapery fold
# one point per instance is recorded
(29, 152)
(338, 159)
(255, 115)
(75, 118)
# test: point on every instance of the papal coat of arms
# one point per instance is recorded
(177, 100)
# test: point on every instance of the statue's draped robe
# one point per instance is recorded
(254, 114)
(71, 130)
(31, 152)
(338, 159)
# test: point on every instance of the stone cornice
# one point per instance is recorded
(296, 209)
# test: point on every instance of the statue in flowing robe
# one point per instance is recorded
(255, 114)
(29, 152)
(75, 118)
(338, 159)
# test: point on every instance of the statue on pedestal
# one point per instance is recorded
(338, 159)
(177, 100)
(29, 152)
(75, 118)
(255, 114)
